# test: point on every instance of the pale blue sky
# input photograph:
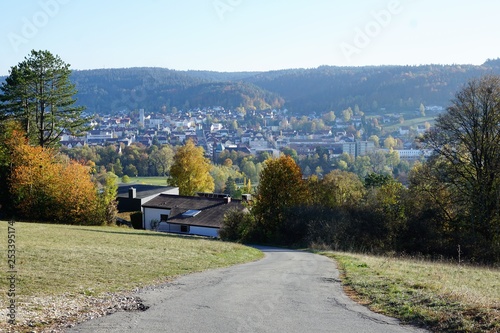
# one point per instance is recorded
(250, 35)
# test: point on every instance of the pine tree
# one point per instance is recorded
(38, 93)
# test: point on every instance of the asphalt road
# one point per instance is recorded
(287, 291)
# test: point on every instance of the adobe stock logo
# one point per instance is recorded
(31, 26)
(224, 6)
(363, 37)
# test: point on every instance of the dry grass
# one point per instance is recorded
(441, 296)
(71, 262)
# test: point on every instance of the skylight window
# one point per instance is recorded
(191, 213)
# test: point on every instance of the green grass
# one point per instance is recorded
(443, 297)
(72, 262)
(149, 180)
(410, 122)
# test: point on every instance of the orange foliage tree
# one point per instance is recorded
(48, 187)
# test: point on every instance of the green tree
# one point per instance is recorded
(249, 169)
(162, 159)
(39, 94)
(106, 210)
(221, 174)
(131, 171)
(386, 201)
(336, 189)
(191, 170)
(231, 187)
(118, 168)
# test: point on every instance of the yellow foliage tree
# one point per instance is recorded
(191, 170)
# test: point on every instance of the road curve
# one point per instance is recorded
(287, 291)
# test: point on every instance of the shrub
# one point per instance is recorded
(237, 226)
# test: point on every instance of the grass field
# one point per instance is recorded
(443, 297)
(410, 122)
(149, 180)
(68, 267)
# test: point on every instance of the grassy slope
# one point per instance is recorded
(71, 262)
(440, 296)
(409, 122)
(162, 181)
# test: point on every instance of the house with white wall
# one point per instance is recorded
(192, 215)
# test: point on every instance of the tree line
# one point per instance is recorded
(36, 106)
(450, 207)
(450, 203)
(302, 91)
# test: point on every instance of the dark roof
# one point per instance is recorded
(212, 209)
(142, 191)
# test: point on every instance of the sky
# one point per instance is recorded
(250, 35)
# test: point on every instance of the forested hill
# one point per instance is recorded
(393, 88)
(156, 89)
(302, 91)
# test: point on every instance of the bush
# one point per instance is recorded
(136, 219)
(237, 226)
(125, 179)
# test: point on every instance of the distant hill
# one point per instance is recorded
(302, 91)
(393, 88)
(155, 89)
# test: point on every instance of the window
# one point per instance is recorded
(191, 213)
(184, 228)
(163, 217)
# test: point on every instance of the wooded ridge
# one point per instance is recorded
(302, 91)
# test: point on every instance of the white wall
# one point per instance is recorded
(202, 231)
(153, 214)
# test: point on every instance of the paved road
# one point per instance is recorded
(287, 291)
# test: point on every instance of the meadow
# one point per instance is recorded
(441, 296)
(64, 271)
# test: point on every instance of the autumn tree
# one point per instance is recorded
(329, 117)
(47, 186)
(191, 170)
(390, 142)
(466, 142)
(39, 94)
(347, 114)
(280, 187)
(375, 139)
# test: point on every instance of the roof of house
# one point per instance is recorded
(212, 210)
(142, 191)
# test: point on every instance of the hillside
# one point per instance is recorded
(302, 91)
(72, 273)
(394, 88)
(158, 89)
